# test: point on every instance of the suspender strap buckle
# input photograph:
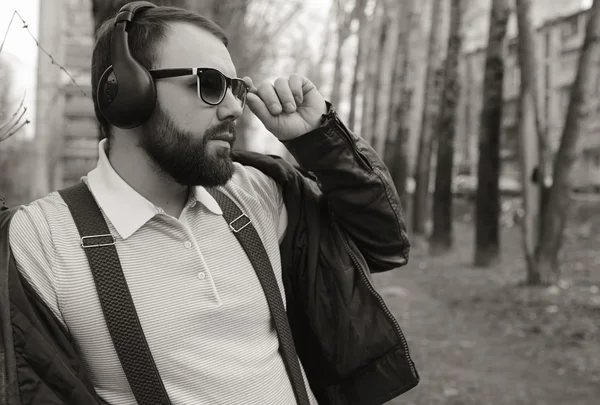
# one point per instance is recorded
(239, 223)
(93, 241)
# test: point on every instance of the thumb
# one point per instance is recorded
(259, 108)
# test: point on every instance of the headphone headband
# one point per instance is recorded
(126, 93)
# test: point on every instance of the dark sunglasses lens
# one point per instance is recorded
(212, 86)
(238, 88)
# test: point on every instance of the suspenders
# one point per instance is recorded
(119, 311)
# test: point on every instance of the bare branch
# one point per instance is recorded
(267, 37)
(7, 30)
(5, 137)
(16, 13)
(16, 112)
(5, 134)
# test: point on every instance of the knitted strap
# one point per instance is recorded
(115, 299)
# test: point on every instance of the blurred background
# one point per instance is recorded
(488, 117)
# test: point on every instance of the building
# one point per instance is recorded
(65, 118)
(558, 43)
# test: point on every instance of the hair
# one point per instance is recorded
(150, 27)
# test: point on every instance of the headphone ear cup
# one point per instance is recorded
(126, 94)
(107, 89)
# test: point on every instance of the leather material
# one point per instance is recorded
(39, 364)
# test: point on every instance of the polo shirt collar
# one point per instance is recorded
(126, 209)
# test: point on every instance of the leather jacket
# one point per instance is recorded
(344, 222)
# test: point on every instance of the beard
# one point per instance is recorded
(184, 156)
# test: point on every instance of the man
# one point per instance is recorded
(202, 309)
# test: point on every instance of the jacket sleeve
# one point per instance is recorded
(358, 189)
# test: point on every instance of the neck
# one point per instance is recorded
(133, 165)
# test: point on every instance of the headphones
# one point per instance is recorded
(126, 93)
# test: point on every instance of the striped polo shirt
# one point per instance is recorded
(199, 301)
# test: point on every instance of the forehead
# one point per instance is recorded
(187, 45)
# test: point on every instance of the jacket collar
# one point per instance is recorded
(126, 209)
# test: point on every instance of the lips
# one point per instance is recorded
(223, 137)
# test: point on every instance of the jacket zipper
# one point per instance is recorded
(381, 302)
(362, 159)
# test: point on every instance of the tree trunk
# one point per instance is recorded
(396, 151)
(229, 15)
(379, 59)
(359, 63)
(582, 90)
(343, 21)
(371, 80)
(399, 80)
(103, 9)
(528, 133)
(389, 41)
(487, 206)
(441, 238)
(430, 112)
(399, 165)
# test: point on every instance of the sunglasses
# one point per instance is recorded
(211, 84)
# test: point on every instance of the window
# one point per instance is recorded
(570, 27)
(547, 47)
(592, 158)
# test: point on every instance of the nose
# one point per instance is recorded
(230, 107)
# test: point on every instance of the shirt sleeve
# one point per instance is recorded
(271, 197)
(31, 244)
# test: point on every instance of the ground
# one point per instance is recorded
(478, 336)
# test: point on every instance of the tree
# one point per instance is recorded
(396, 152)
(344, 19)
(371, 72)
(430, 112)
(104, 9)
(487, 205)
(359, 63)
(530, 138)
(441, 238)
(582, 92)
(16, 154)
(386, 65)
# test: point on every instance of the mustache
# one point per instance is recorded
(218, 131)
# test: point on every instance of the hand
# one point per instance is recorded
(291, 107)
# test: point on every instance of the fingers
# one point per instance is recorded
(250, 84)
(295, 83)
(259, 108)
(267, 94)
(284, 93)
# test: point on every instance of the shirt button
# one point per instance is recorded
(201, 275)
(188, 245)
